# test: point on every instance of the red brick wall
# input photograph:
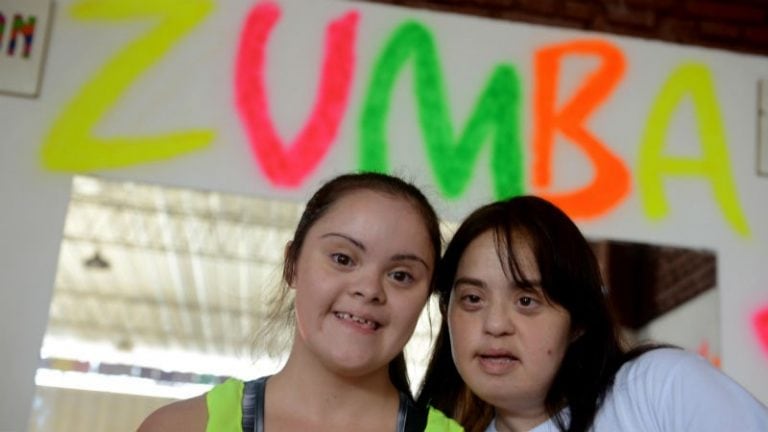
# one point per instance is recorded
(734, 25)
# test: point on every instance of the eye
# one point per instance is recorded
(402, 276)
(341, 259)
(527, 301)
(470, 299)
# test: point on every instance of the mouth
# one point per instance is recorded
(497, 362)
(498, 358)
(359, 321)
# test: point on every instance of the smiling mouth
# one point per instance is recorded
(365, 323)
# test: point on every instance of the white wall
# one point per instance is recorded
(674, 327)
(87, 93)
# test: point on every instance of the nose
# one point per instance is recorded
(498, 320)
(370, 288)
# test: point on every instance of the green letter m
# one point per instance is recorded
(496, 115)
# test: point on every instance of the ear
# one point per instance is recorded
(289, 272)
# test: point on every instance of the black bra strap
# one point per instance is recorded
(253, 405)
(411, 417)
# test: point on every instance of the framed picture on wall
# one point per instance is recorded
(24, 26)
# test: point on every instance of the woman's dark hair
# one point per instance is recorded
(338, 187)
(570, 277)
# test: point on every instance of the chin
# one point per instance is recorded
(356, 371)
(496, 395)
(350, 366)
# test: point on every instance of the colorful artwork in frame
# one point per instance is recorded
(23, 36)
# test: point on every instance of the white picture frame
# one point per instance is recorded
(24, 27)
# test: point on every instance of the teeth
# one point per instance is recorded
(350, 317)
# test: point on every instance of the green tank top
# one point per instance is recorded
(228, 401)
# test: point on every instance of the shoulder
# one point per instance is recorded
(193, 414)
(187, 415)
(686, 372)
(665, 356)
(664, 363)
(439, 422)
(681, 390)
(665, 371)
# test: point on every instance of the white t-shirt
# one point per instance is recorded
(672, 390)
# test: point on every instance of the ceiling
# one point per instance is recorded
(147, 266)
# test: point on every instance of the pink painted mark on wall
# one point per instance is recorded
(288, 166)
(760, 321)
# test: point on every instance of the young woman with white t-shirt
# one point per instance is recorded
(528, 343)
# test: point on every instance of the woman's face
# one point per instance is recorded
(361, 281)
(507, 342)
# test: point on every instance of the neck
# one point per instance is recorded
(321, 392)
(520, 419)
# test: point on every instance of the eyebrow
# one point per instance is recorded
(468, 281)
(530, 284)
(361, 246)
(410, 257)
(480, 284)
(354, 241)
